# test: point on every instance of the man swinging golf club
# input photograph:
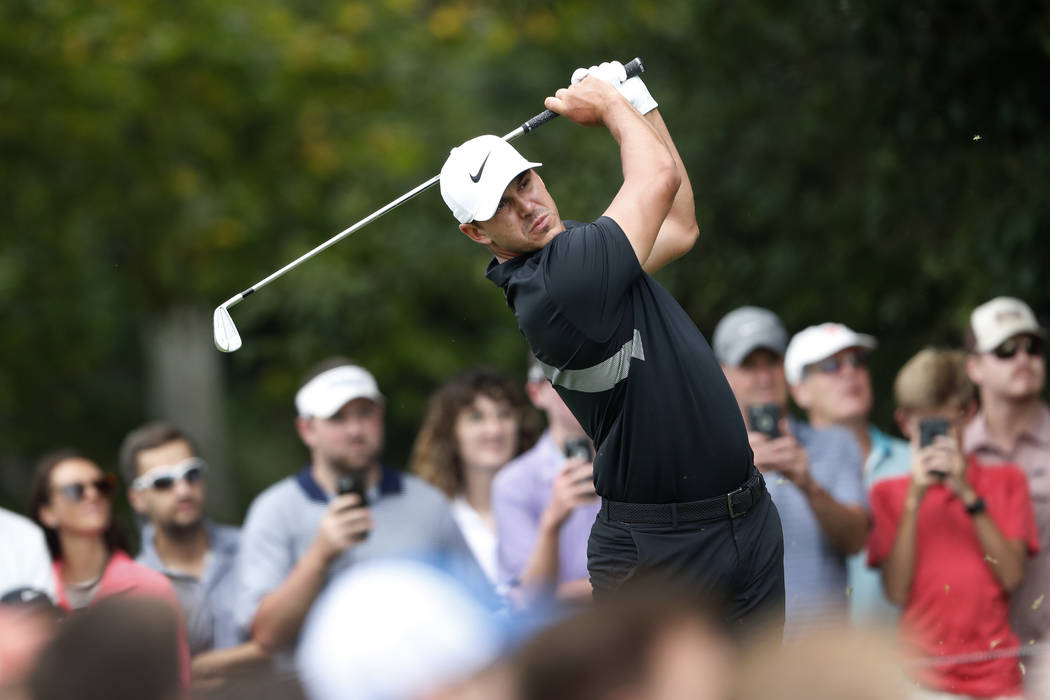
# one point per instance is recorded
(680, 493)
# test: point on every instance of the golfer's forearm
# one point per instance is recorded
(679, 231)
(898, 570)
(281, 613)
(844, 526)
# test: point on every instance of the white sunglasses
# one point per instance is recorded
(164, 478)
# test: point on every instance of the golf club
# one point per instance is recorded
(228, 339)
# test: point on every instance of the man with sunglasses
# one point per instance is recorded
(1005, 344)
(832, 384)
(168, 492)
(813, 474)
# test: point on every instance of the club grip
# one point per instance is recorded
(632, 68)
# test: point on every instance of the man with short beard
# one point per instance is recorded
(166, 488)
(308, 527)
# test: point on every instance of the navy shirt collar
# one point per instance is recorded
(389, 483)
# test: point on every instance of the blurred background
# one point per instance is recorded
(881, 164)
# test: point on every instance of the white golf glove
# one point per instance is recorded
(613, 73)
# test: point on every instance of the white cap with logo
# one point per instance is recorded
(325, 394)
(476, 174)
(818, 343)
(1000, 319)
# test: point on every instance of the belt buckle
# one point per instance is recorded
(729, 500)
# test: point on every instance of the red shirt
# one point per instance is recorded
(122, 575)
(956, 605)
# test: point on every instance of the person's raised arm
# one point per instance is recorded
(651, 179)
(679, 231)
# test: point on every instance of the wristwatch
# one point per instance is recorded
(977, 507)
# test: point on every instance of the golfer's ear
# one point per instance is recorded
(475, 234)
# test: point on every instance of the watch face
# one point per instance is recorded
(976, 507)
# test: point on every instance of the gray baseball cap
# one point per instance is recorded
(743, 330)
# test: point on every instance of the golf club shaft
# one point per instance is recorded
(632, 69)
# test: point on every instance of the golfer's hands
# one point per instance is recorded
(345, 523)
(784, 455)
(587, 102)
(573, 487)
(614, 73)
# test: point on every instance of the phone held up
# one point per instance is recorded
(765, 419)
(353, 483)
(929, 429)
(579, 447)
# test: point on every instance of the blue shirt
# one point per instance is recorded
(814, 572)
(889, 457)
(206, 602)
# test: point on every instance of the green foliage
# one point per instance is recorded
(157, 155)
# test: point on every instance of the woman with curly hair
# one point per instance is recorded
(474, 424)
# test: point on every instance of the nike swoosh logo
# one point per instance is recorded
(477, 177)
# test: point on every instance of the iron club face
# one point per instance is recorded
(227, 338)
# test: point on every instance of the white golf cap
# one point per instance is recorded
(1000, 319)
(818, 343)
(325, 394)
(476, 174)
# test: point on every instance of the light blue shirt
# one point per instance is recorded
(206, 602)
(889, 457)
(814, 572)
(411, 519)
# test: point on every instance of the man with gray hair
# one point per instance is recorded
(680, 495)
(345, 506)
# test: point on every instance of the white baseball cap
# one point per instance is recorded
(476, 174)
(1000, 319)
(818, 343)
(325, 394)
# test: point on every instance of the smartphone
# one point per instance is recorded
(765, 419)
(353, 483)
(579, 447)
(929, 429)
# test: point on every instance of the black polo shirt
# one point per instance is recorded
(631, 366)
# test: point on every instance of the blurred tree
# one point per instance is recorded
(158, 159)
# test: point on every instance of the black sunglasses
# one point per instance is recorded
(1032, 346)
(832, 365)
(78, 491)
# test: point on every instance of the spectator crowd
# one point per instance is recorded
(915, 556)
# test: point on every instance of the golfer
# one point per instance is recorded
(680, 493)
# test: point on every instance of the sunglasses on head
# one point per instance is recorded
(1030, 344)
(78, 491)
(164, 478)
(834, 364)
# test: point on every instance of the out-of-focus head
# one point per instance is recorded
(1007, 346)
(341, 415)
(71, 495)
(931, 384)
(476, 422)
(166, 477)
(749, 343)
(649, 642)
(829, 664)
(394, 629)
(120, 648)
(827, 368)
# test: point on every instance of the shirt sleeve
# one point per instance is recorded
(516, 526)
(885, 516)
(264, 560)
(1015, 517)
(590, 269)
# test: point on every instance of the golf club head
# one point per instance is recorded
(227, 338)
